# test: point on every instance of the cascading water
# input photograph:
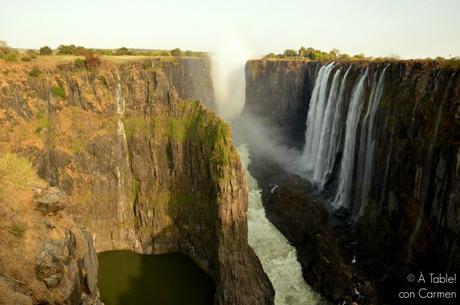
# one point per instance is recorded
(278, 257)
(333, 127)
(343, 194)
(367, 141)
(315, 117)
(122, 152)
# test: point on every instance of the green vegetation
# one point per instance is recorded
(7, 53)
(16, 172)
(58, 91)
(35, 72)
(42, 122)
(32, 53)
(192, 124)
(313, 54)
(177, 52)
(69, 50)
(122, 51)
(45, 50)
(18, 230)
(11, 57)
(79, 63)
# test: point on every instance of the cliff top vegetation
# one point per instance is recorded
(8, 53)
(335, 55)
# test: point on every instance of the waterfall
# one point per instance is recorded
(315, 117)
(278, 257)
(343, 194)
(342, 128)
(122, 151)
(367, 141)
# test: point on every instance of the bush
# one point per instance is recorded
(67, 50)
(32, 54)
(79, 63)
(58, 91)
(35, 72)
(18, 230)
(11, 57)
(165, 53)
(290, 53)
(177, 52)
(45, 50)
(122, 51)
(270, 55)
(26, 58)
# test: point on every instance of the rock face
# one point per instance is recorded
(302, 217)
(145, 169)
(277, 92)
(45, 259)
(412, 202)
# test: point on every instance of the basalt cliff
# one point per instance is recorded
(145, 165)
(380, 142)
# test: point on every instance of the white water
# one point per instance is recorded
(332, 126)
(315, 117)
(278, 257)
(122, 151)
(343, 194)
(367, 142)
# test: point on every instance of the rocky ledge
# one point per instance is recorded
(46, 258)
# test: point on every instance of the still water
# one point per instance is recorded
(128, 278)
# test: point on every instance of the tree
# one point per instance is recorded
(290, 53)
(45, 50)
(122, 51)
(177, 52)
(271, 55)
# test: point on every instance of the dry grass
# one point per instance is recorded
(16, 173)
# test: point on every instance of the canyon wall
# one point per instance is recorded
(403, 186)
(145, 167)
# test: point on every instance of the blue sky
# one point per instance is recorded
(408, 28)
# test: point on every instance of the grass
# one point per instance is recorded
(43, 122)
(16, 172)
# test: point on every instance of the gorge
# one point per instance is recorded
(331, 166)
(378, 141)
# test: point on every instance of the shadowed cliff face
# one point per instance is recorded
(144, 169)
(410, 198)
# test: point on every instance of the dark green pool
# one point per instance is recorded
(127, 278)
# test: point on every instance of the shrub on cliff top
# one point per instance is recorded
(122, 51)
(58, 91)
(45, 50)
(177, 52)
(35, 72)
